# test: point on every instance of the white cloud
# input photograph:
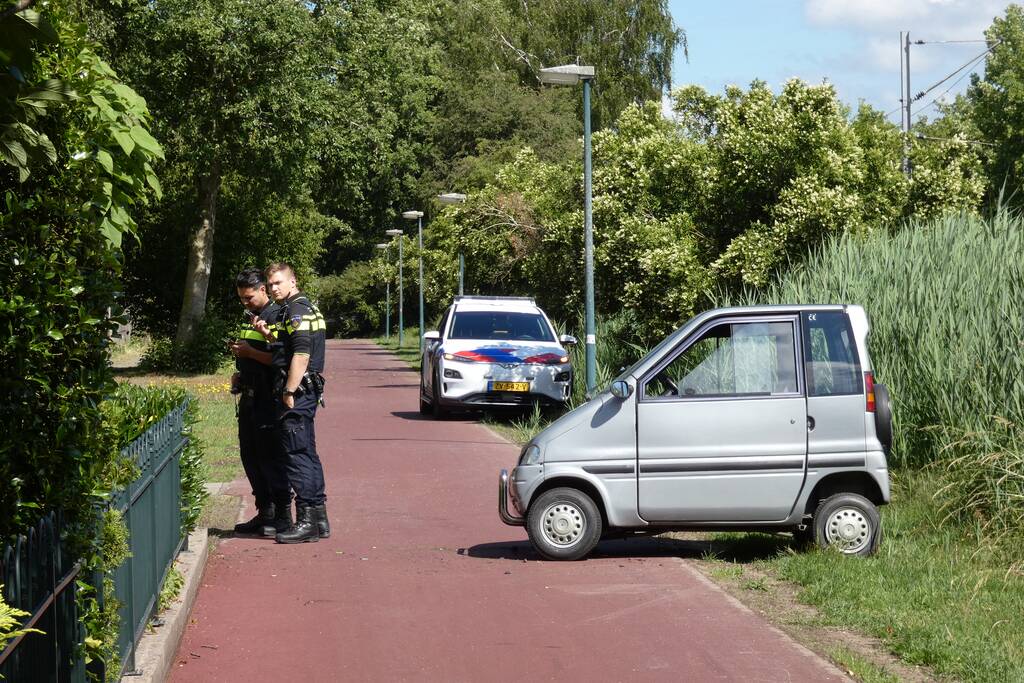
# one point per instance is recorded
(933, 19)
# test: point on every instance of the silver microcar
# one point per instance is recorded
(755, 418)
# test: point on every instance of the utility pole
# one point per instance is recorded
(906, 99)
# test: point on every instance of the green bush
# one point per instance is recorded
(350, 301)
(134, 409)
(206, 353)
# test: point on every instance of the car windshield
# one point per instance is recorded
(501, 325)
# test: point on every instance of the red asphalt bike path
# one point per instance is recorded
(421, 581)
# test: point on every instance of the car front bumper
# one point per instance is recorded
(473, 384)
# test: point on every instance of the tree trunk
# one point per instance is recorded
(200, 259)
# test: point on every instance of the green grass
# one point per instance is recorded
(409, 351)
(938, 596)
(862, 669)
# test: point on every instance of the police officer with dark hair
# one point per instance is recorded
(258, 442)
(300, 362)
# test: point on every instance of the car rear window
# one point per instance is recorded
(500, 325)
(830, 352)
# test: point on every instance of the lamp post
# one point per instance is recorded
(418, 217)
(387, 299)
(456, 198)
(395, 232)
(572, 74)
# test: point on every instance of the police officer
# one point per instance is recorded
(300, 361)
(258, 442)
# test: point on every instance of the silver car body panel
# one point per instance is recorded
(708, 463)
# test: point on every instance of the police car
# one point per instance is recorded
(494, 351)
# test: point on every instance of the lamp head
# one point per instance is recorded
(412, 215)
(568, 74)
(452, 198)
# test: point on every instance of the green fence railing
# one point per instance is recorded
(151, 506)
(39, 576)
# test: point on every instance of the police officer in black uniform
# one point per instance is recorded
(300, 362)
(258, 442)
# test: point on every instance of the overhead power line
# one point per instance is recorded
(970, 63)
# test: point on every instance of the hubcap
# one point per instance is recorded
(848, 529)
(563, 524)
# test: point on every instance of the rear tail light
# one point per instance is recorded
(869, 389)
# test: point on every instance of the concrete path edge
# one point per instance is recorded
(154, 655)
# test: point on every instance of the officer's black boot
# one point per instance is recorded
(304, 530)
(282, 521)
(323, 527)
(255, 525)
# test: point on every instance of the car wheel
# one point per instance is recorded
(563, 524)
(883, 417)
(425, 407)
(436, 408)
(848, 522)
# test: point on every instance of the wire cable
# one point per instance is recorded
(953, 85)
(974, 60)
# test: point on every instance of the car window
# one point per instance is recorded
(832, 365)
(500, 325)
(736, 359)
(444, 321)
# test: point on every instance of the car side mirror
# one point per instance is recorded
(432, 336)
(621, 389)
(568, 340)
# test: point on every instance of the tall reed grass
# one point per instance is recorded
(945, 300)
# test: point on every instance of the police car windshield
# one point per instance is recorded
(500, 325)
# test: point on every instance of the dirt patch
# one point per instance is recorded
(777, 601)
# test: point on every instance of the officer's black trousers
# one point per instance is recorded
(262, 457)
(298, 439)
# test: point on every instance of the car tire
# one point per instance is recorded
(425, 406)
(563, 524)
(848, 522)
(883, 417)
(437, 410)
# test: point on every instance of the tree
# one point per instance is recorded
(237, 90)
(997, 101)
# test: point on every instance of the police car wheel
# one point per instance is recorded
(435, 405)
(563, 524)
(425, 407)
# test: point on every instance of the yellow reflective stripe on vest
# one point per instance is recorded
(251, 334)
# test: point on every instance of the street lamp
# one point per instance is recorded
(418, 217)
(387, 304)
(572, 74)
(395, 232)
(456, 198)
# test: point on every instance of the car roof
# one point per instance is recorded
(516, 304)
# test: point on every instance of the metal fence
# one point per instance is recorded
(39, 576)
(151, 506)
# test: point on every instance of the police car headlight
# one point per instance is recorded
(461, 359)
(530, 455)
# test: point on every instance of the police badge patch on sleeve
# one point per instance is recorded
(295, 321)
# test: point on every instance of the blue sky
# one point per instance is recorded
(853, 44)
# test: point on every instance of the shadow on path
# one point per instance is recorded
(743, 549)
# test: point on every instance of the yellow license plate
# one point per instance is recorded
(510, 386)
